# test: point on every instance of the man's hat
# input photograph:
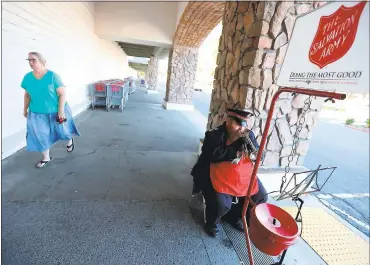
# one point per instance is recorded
(240, 116)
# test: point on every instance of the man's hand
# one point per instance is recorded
(25, 113)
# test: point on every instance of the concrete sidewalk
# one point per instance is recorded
(122, 197)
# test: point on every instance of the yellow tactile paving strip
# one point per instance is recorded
(331, 239)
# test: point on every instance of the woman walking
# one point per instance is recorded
(49, 117)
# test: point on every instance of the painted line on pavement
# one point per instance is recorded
(366, 226)
(343, 195)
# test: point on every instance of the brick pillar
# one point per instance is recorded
(151, 73)
(252, 48)
(182, 68)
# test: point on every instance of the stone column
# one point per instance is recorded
(151, 73)
(251, 50)
(182, 68)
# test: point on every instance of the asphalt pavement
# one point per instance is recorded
(347, 190)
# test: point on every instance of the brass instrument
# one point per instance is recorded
(252, 151)
(248, 148)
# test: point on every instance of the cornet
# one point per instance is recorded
(248, 148)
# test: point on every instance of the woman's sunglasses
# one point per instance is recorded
(32, 60)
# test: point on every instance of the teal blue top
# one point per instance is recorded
(43, 92)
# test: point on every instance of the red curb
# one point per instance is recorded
(359, 129)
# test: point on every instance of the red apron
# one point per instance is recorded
(233, 179)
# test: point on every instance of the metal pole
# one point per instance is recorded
(311, 92)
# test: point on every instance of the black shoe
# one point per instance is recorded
(238, 225)
(195, 190)
(211, 229)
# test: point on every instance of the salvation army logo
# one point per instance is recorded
(335, 35)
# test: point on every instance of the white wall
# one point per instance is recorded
(64, 33)
(162, 74)
(152, 23)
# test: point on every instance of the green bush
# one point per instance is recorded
(350, 121)
(368, 123)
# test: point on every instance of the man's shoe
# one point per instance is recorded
(195, 190)
(238, 225)
(211, 229)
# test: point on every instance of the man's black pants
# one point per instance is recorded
(220, 205)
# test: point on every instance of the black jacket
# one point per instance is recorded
(215, 150)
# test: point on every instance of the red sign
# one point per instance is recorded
(115, 88)
(335, 35)
(99, 87)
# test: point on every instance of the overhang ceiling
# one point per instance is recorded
(138, 66)
(139, 50)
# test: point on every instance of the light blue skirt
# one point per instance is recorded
(43, 131)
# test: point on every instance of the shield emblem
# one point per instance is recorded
(335, 35)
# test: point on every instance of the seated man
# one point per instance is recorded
(223, 172)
